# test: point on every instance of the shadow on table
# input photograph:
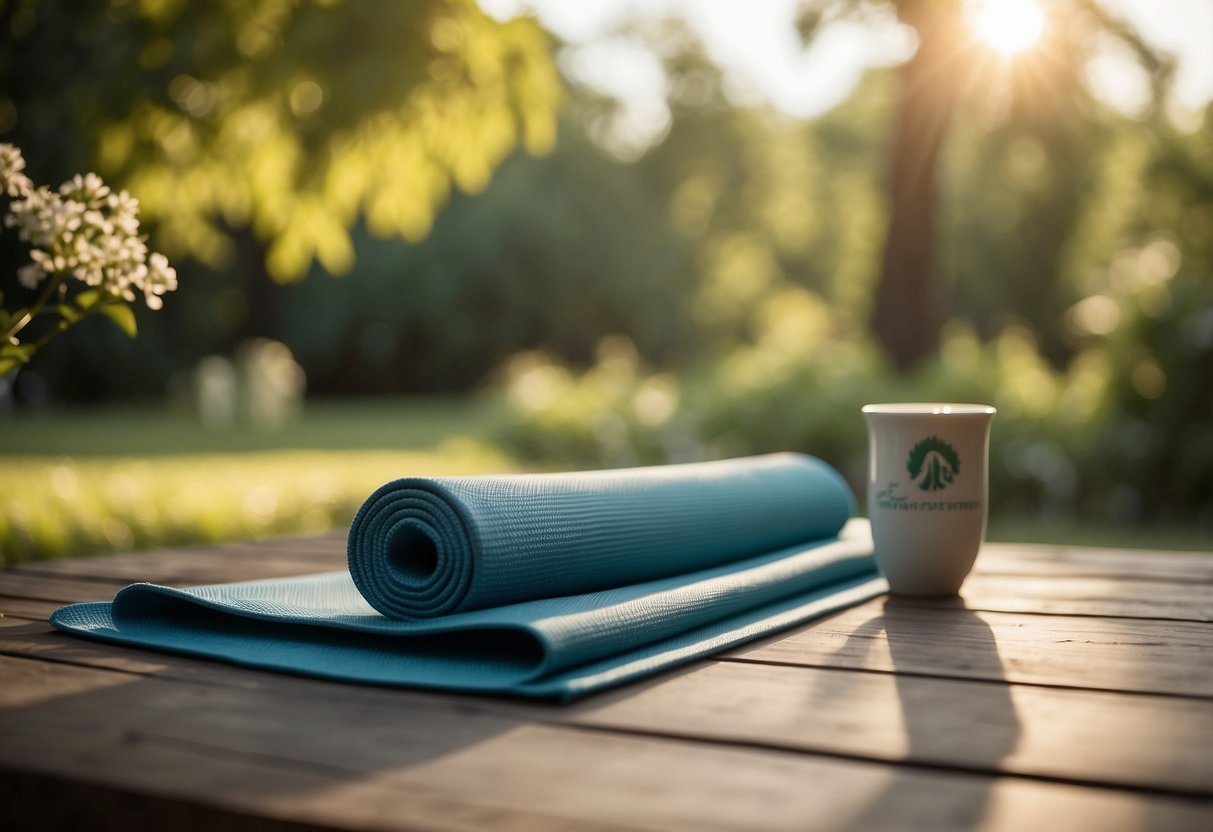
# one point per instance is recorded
(989, 714)
(164, 741)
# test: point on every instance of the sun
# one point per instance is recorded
(1007, 26)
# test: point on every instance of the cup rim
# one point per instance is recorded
(929, 409)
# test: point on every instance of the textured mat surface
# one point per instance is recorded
(541, 585)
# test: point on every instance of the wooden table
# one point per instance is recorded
(1071, 689)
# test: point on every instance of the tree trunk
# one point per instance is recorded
(263, 296)
(905, 318)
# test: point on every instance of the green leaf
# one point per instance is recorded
(87, 298)
(13, 356)
(122, 315)
(68, 313)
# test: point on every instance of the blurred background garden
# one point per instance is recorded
(438, 237)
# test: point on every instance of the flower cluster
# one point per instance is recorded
(85, 230)
(12, 181)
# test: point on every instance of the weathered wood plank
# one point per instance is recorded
(908, 636)
(361, 766)
(320, 544)
(1096, 737)
(1080, 561)
(917, 740)
(26, 609)
(61, 590)
(46, 803)
(88, 580)
(1064, 595)
(230, 563)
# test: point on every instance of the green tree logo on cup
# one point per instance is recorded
(933, 464)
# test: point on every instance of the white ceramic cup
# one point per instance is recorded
(927, 492)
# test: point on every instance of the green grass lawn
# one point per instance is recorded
(82, 482)
(350, 424)
(89, 481)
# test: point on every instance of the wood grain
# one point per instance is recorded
(25, 609)
(1070, 689)
(914, 637)
(1086, 562)
(60, 590)
(1095, 737)
(361, 766)
(1089, 736)
(195, 565)
(1066, 595)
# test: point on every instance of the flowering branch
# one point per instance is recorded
(19, 323)
(84, 231)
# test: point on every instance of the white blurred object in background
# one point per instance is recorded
(271, 383)
(215, 392)
(261, 385)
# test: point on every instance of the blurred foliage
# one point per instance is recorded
(557, 253)
(1079, 286)
(1100, 439)
(710, 295)
(291, 118)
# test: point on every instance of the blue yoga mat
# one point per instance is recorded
(546, 585)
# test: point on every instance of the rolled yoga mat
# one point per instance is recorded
(420, 548)
(549, 585)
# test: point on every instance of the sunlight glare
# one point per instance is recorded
(1008, 26)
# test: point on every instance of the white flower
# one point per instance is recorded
(85, 231)
(30, 276)
(30, 216)
(161, 278)
(88, 190)
(124, 210)
(12, 181)
(97, 220)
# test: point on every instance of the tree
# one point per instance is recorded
(275, 123)
(944, 66)
(904, 315)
